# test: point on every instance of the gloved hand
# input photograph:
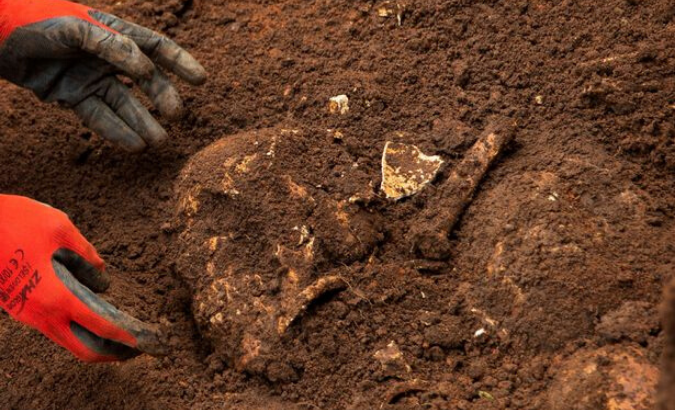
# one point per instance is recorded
(47, 269)
(72, 54)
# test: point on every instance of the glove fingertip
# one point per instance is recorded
(126, 55)
(199, 75)
(192, 72)
(80, 247)
(169, 104)
(158, 137)
(134, 144)
(172, 109)
(91, 256)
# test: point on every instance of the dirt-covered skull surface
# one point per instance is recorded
(249, 289)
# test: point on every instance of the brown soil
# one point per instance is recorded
(564, 250)
(667, 387)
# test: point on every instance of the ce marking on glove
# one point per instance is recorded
(12, 276)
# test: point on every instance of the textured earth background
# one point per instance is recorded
(551, 296)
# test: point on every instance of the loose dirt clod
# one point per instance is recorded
(609, 378)
(430, 237)
(406, 170)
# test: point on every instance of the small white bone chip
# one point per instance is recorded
(406, 170)
(338, 104)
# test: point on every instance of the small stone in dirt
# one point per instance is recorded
(392, 361)
(406, 170)
(338, 104)
(336, 135)
(485, 395)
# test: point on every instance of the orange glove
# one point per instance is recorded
(47, 269)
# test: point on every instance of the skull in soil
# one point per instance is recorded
(262, 240)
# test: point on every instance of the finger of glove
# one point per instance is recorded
(87, 346)
(100, 118)
(84, 271)
(163, 95)
(94, 349)
(164, 51)
(133, 113)
(69, 238)
(103, 320)
(117, 49)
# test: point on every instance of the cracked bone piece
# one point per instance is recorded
(311, 293)
(430, 236)
(406, 170)
(392, 9)
(338, 104)
(392, 361)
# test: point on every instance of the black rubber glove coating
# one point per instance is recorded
(75, 63)
(147, 336)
